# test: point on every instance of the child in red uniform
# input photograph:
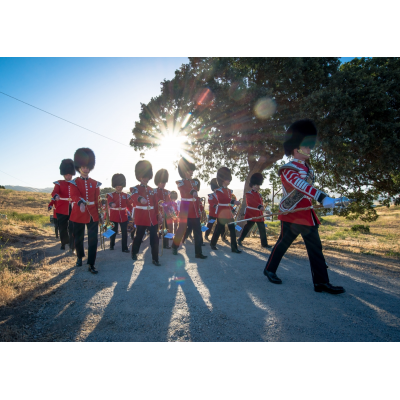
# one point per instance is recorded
(255, 208)
(212, 207)
(85, 193)
(118, 204)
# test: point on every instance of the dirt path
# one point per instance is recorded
(223, 298)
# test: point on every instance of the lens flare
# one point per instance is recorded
(265, 108)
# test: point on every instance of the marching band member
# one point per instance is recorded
(224, 210)
(255, 208)
(146, 210)
(61, 194)
(160, 179)
(85, 194)
(212, 202)
(174, 206)
(118, 203)
(189, 215)
(131, 216)
(50, 207)
(297, 185)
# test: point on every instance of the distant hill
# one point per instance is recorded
(29, 189)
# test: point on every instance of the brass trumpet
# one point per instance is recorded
(104, 217)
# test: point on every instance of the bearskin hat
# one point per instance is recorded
(223, 174)
(214, 184)
(84, 157)
(184, 166)
(143, 169)
(256, 179)
(300, 133)
(118, 180)
(161, 176)
(67, 167)
(173, 195)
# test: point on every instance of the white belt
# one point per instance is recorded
(252, 208)
(225, 205)
(118, 209)
(144, 208)
(188, 199)
(60, 198)
(89, 203)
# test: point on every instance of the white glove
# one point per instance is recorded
(328, 202)
(82, 207)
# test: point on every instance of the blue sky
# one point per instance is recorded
(101, 94)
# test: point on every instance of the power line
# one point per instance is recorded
(14, 177)
(65, 120)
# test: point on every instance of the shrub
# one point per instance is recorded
(360, 228)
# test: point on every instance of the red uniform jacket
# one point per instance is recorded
(63, 189)
(213, 202)
(52, 204)
(85, 191)
(145, 214)
(122, 203)
(224, 207)
(297, 185)
(188, 206)
(254, 203)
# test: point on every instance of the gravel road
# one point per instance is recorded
(223, 298)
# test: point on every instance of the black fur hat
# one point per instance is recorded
(184, 166)
(300, 133)
(143, 169)
(214, 184)
(173, 195)
(67, 167)
(84, 157)
(118, 180)
(223, 174)
(161, 176)
(256, 179)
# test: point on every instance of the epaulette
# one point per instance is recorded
(98, 184)
(180, 183)
(155, 190)
(248, 192)
(135, 190)
(289, 165)
(56, 183)
(109, 194)
(73, 182)
(220, 190)
(231, 191)
(196, 182)
(128, 196)
(210, 196)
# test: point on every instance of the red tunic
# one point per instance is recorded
(188, 206)
(85, 191)
(174, 206)
(297, 179)
(254, 202)
(224, 207)
(63, 189)
(145, 214)
(122, 203)
(213, 202)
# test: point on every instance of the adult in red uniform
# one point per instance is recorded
(50, 207)
(297, 185)
(160, 179)
(118, 204)
(212, 207)
(174, 207)
(189, 215)
(85, 193)
(61, 194)
(224, 209)
(255, 208)
(146, 210)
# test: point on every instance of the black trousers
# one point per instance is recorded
(66, 228)
(124, 232)
(261, 229)
(193, 224)
(289, 233)
(220, 229)
(154, 241)
(93, 234)
(55, 222)
(189, 230)
(209, 225)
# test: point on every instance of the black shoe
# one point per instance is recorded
(236, 251)
(272, 277)
(156, 263)
(111, 247)
(126, 251)
(213, 247)
(201, 256)
(267, 246)
(167, 247)
(174, 251)
(62, 247)
(92, 269)
(207, 238)
(327, 287)
(78, 262)
(134, 257)
(240, 243)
